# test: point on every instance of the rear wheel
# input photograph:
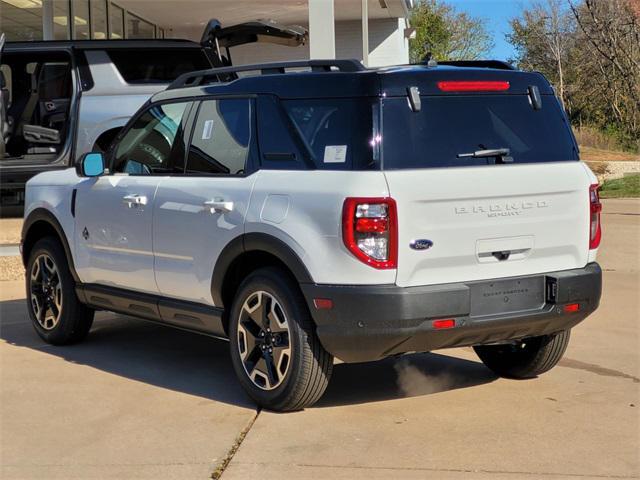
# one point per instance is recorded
(274, 349)
(55, 311)
(526, 358)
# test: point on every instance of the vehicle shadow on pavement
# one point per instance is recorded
(199, 365)
(410, 375)
(142, 351)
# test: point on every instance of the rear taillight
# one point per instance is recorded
(595, 207)
(370, 230)
(473, 86)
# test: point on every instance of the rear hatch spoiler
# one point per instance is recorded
(215, 38)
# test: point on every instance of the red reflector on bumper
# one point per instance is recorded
(323, 303)
(572, 307)
(444, 323)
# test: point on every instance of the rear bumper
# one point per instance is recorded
(371, 322)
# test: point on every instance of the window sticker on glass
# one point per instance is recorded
(207, 129)
(335, 154)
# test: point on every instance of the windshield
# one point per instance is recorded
(448, 126)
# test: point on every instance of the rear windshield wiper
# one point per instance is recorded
(499, 153)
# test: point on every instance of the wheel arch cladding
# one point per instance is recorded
(39, 224)
(247, 253)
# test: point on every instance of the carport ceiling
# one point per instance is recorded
(186, 13)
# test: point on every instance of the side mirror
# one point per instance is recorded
(90, 165)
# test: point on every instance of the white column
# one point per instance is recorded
(322, 35)
(47, 20)
(365, 32)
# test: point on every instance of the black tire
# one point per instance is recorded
(308, 368)
(74, 319)
(527, 358)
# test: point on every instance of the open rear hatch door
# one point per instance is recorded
(215, 38)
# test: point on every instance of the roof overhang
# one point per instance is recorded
(195, 13)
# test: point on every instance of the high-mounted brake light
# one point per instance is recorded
(473, 86)
(595, 227)
(370, 230)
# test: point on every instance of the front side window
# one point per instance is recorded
(154, 145)
(221, 138)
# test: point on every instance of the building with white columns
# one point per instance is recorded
(375, 31)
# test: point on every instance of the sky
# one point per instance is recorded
(497, 13)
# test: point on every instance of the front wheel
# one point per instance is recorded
(526, 358)
(55, 311)
(274, 349)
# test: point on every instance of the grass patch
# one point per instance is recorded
(625, 187)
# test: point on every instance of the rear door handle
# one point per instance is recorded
(134, 200)
(218, 205)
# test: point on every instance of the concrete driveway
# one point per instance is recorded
(139, 401)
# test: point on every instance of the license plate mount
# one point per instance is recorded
(507, 296)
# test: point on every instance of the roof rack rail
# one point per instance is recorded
(497, 64)
(223, 74)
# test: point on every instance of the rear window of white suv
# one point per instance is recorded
(162, 65)
(451, 125)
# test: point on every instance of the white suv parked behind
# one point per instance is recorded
(320, 210)
(61, 99)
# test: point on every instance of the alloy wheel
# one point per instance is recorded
(263, 338)
(46, 291)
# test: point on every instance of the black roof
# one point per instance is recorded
(99, 44)
(349, 82)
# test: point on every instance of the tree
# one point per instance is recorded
(590, 51)
(543, 39)
(446, 33)
(609, 33)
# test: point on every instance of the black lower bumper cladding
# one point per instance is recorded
(371, 322)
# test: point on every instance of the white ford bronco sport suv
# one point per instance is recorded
(319, 209)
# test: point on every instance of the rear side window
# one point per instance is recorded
(450, 125)
(338, 132)
(221, 138)
(139, 66)
(55, 81)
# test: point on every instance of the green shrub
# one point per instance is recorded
(625, 187)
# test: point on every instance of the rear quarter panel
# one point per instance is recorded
(304, 209)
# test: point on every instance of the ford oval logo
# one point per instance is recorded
(421, 244)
